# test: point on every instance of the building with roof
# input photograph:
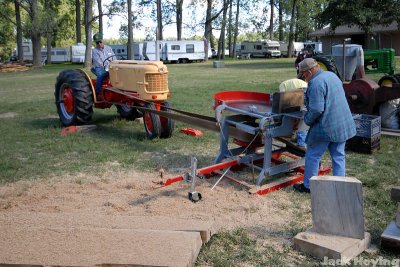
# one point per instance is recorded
(383, 37)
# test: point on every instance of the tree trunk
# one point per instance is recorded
(207, 25)
(296, 25)
(271, 21)
(159, 21)
(221, 41)
(88, 33)
(19, 31)
(236, 27)
(130, 30)
(49, 36)
(291, 34)
(280, 20)
(78, 21)
(231, 48)
(100, 8)
(179, 9)
(35, 34)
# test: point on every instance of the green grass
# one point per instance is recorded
(32, 147)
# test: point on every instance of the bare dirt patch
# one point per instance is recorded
(131, 193)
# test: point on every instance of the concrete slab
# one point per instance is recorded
(93, 220)
(331, 247)
(390, 238)
(395, 193)
(337, 206)
(27, 245)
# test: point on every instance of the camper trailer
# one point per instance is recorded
(296, 48)
(77, 53)
(58, 55)
(183, 51)
(120, 51)
(313, 47)
(265, 49)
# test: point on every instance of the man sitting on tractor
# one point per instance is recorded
(102, 55)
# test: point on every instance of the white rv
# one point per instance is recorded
(120, 51)
(58, 55)
(77, 53)
(260, 48)
(172, 51)
(296, 48)
(314, 47)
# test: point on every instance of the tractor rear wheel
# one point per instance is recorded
(326, 64)
(128, 113)
(167, 124)
(152, 124)
(388, 80)
(74, 98)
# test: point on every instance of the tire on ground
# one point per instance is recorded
(167, 124)
(72, 86)
(152, 124)
(128, 113)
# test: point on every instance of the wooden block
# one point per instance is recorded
(390, 238)
(395, 193)
(331, 247)
(337, 206)
(89, 220)
(287, 101)
(90, 247)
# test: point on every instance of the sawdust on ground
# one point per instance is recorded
(265, 217)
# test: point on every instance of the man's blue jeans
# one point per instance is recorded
(101, 74)
(313, 159)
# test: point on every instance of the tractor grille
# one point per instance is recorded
(157, 82)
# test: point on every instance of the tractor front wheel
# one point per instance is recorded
(74, 98)
(152, 124)
(167, 124)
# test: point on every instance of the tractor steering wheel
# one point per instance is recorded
(107, 61)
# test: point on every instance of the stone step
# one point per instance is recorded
(338, 250)
(57, 246)
(93, 220)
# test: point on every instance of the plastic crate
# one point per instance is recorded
(367, 125)
(364, 144)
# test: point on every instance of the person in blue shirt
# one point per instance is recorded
(330, 120)
(99, 55)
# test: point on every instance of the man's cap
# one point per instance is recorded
(98, 37)
(306, 65)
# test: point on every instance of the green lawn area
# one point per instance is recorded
(33, 149)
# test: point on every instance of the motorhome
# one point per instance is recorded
(266, 49)
(296, 48)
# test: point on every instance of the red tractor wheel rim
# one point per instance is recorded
(149, 123)
(68, 98)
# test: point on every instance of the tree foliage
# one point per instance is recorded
(364, 13)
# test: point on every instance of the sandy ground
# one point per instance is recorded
(266, 217)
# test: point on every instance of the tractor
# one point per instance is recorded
(130, 86)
